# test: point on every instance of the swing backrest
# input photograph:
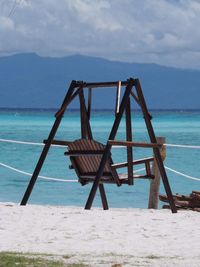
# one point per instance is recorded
(85, 156)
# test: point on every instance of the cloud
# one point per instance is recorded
(6, 24)
(164, 31)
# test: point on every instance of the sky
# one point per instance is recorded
(165, 32)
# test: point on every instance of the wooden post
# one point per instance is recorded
(86, 131)
(155, 183)
(147, 118)
(48, 143)
(89, 102)
(129, 138)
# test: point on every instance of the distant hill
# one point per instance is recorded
(31, 81)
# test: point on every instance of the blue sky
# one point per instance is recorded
(166, 32)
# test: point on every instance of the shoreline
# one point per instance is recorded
(125, 234)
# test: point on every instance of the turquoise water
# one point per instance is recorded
(34, 126)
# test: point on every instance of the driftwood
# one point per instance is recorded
(190, 202)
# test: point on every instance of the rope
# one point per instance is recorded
(64, 180)
(25, 143)
(182, 174)
(40, 176)
(75, 181)
(45, 177)
(181, 146)
(41, 144)
(21, 142)
(139, 170)
(36, 144)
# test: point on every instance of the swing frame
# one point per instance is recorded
(132, 90)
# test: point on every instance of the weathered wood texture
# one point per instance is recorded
(190, 202)
(77, 88)
(155, 183)
(46, 148)
(156, 150)
(129, 138)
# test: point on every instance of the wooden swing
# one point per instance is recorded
(92, 160)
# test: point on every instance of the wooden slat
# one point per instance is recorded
(78, 153)
(87, 154)
(58, 142)
(96, 161)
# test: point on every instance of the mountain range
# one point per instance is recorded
(31, 81)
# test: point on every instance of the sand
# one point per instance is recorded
(130, 237)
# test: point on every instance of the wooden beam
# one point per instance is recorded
(155, 149)
(155, 183)
(108, 146)
(135, 97)
(132, 144)
(82, 116)
(89, 102)
(61, 111)
(129, 138)
(86, 131)
(138, 102)
(47, 146)
(103, 197)
(104, 84)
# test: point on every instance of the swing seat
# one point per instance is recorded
(86, 155)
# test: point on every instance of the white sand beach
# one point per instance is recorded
(128, 237)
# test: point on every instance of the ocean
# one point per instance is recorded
(178, 127)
